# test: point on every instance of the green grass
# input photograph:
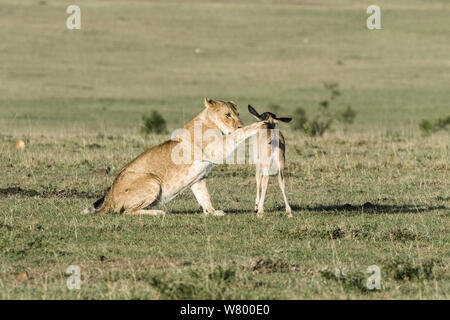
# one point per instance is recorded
(375, 192)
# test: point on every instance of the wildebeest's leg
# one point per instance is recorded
(264, 183)
(258, 185)
(281, 182)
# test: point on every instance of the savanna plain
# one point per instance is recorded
(372, 192)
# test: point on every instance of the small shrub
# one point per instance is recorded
(349, 281)
(317, 126)
(405, 269)
(403, 235)
(222, 275)
(300, 119)
(155, 123)
(427, 269)
(323, 120)
(273, 266)
(347, 116)
(442, 123)
(428, 127)
(172, 289)
(333, 88)
(336, 233)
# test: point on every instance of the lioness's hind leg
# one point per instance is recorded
(142, 192)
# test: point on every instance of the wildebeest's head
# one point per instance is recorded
(268, 116)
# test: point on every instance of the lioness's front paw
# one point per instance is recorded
(218, 213)
(213, 212)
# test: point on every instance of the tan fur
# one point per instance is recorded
(269, 146)
(153, 177)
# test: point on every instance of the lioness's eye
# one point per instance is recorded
(228, 115)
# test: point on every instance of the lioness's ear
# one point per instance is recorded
(209, 102)
(254, 113)
(284, 119)
(233, 105)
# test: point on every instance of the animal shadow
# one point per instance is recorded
(367, 207)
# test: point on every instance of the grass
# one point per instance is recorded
(374, 192)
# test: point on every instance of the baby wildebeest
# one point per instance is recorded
(270, 149)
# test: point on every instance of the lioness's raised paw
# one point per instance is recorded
(259, 125)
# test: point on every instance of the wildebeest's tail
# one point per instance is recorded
(97, 206)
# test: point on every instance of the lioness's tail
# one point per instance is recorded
(96, 207)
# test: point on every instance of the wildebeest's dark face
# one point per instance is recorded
(268, 116)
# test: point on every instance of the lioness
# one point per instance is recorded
(155, 177)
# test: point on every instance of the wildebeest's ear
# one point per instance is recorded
(284, 119)
(254, 113)
(209, 102)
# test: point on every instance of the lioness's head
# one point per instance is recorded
(224, 115)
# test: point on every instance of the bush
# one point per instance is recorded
(349, 281)
(348, 116)
(428, 127)
(300, 119)
(324, 119)
(317, 126)
(155, 123)
(405, 269)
